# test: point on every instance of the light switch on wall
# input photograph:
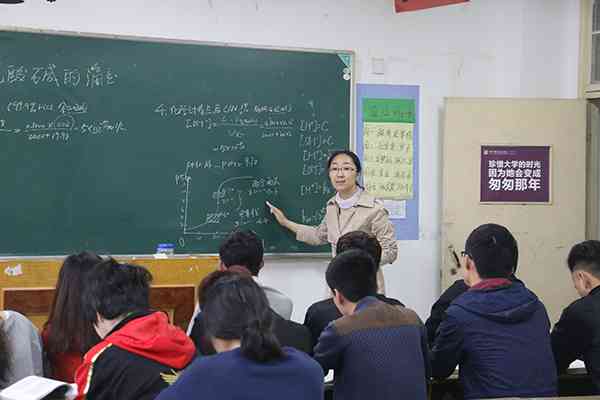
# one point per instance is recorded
(378, 66)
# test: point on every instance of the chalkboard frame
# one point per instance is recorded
(153, 39)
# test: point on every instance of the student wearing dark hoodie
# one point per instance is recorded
(577, 334)
(140, 353)
(498, 330)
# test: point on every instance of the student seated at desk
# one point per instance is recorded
(250, 364)
(377, 350)
(245, 248)
(20, 348)
(497, 331)
(288, 333)
(140, 352)
(321, 313)
(438, 309)
(67, 335)
(577, 334)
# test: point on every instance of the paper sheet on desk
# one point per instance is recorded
(329, 377)
(577, 364)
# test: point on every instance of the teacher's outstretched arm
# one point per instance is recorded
(314, 235)
(282, 219)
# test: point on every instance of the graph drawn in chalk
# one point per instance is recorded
(236, 202)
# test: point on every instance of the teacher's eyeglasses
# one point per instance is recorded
(345, 170)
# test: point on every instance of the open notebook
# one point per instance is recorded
(36, 388)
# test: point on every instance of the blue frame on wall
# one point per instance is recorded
(406, 228)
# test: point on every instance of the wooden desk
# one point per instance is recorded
(550, 398)
(576, 382)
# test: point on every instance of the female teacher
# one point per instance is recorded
(351, 209)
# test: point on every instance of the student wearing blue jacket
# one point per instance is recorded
(498, 330)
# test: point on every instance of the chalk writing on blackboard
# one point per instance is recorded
(31, 106)
(237, 202)
(56, 121)
(92, 76)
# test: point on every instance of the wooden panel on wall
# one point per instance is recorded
(34, 303)
(44, 272)
(28, 284)
(177, 301)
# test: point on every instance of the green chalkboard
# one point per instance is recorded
(118, 144)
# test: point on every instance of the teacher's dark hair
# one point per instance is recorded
(350, 154)
(235, 307)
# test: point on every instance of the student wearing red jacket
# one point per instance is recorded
(140, 353)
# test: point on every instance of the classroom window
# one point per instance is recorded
(595, 75)
(589, 62)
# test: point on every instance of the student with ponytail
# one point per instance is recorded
(249, 364)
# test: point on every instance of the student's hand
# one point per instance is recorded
(278, 214)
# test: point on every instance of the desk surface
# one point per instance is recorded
(550, 398)
(576, 382)
(576, 369)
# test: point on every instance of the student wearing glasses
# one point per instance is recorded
(351, 209)
(498, 331)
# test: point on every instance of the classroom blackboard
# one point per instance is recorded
(119, 144)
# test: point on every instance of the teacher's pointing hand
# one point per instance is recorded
(281, 218)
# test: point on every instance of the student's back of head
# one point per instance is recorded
(353, 274)
(235, 308)
(140, 350)
(250, 363)
(113, 290)
(584, 264)
(516, 360)
(242, 248)
(362, 241)
(586, 256)
(494, 251)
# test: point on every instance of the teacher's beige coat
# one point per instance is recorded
(368, 215)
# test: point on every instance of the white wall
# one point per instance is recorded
(485, 48)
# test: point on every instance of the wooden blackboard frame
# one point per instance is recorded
(81, 34)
